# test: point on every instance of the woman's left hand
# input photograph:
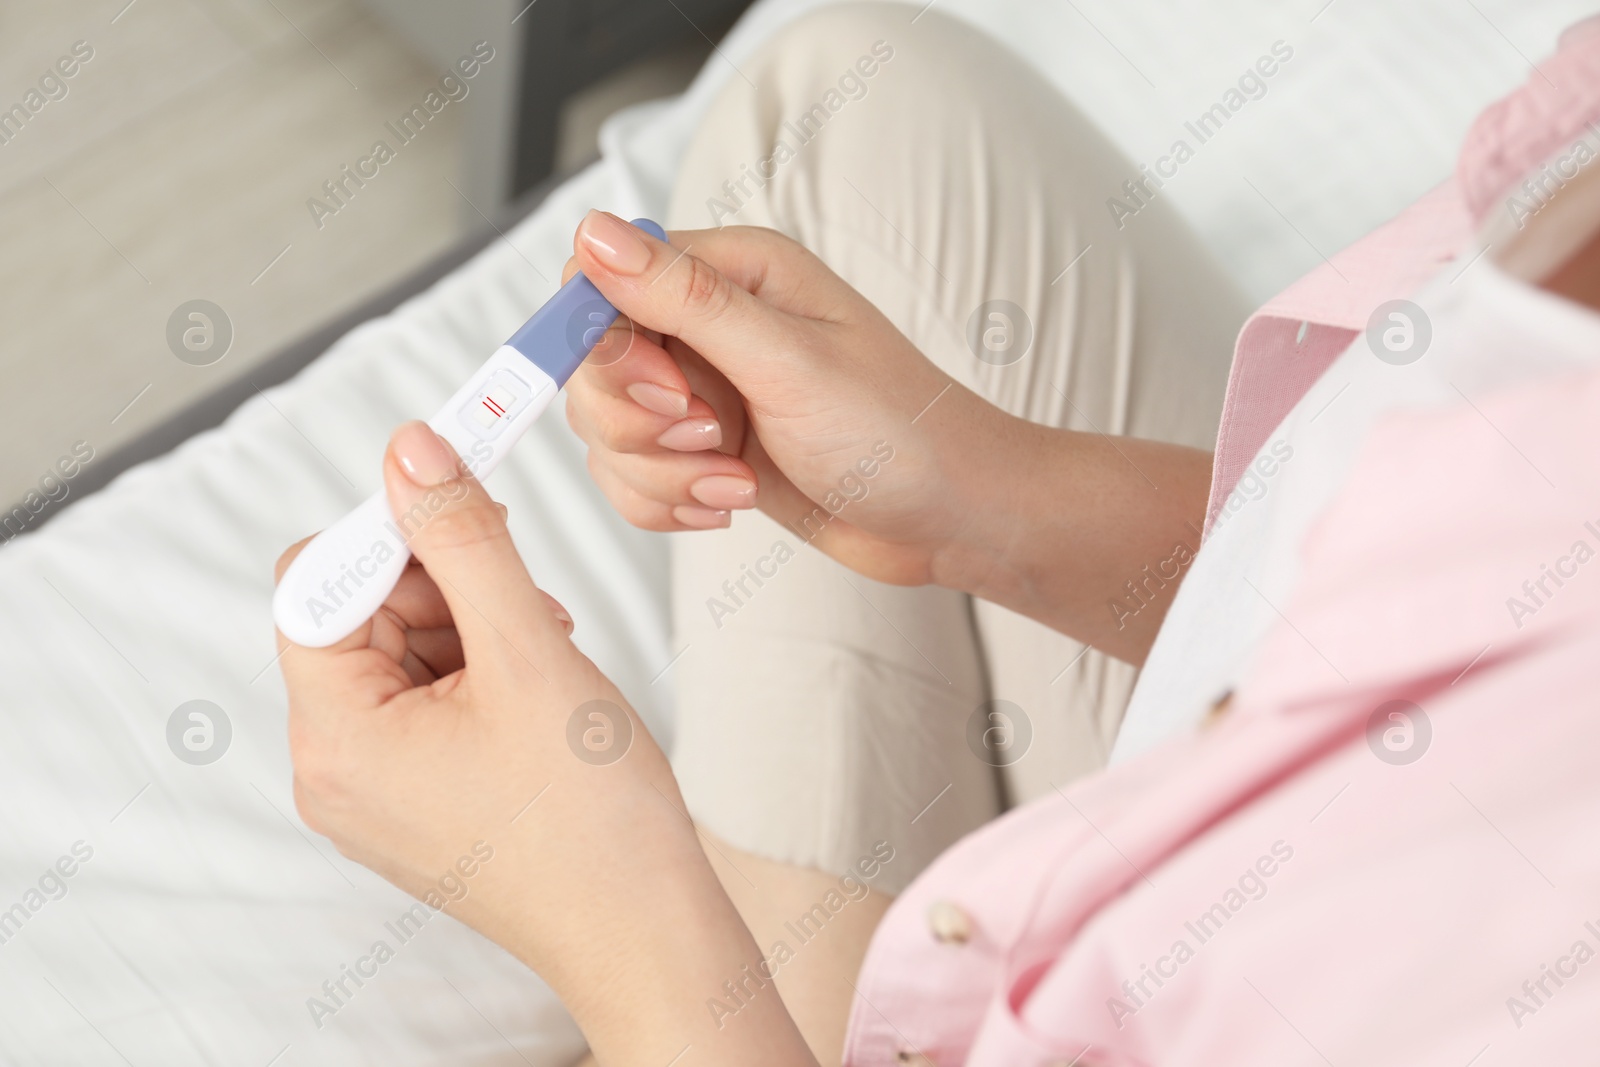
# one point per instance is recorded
(459, 737)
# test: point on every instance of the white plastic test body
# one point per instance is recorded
(345, 573)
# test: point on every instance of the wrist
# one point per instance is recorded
(640, 965)
(1065, 526)
(986, 459)
(692, 978)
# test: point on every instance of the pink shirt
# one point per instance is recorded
(1324, 877)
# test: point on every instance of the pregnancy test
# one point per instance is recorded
(347, 571)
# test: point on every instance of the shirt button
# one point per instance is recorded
(949, 923)
(1219, 708)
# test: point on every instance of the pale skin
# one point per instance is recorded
(428, 729)
(744, 375)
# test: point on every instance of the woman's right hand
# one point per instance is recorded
(745, 373)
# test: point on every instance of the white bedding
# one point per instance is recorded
(207, 915)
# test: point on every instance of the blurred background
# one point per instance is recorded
(166, 254)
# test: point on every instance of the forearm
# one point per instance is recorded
(1088, 534)
(642, 985)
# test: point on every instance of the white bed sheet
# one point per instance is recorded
(208, 915)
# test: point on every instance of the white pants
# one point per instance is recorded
(820, 712)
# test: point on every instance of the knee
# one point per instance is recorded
(803, 80)
(886, 71)
(841, 51)
(831, 43)
(847, 88)
(822, 64)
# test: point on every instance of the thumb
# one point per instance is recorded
(459, 534)
(682, 295)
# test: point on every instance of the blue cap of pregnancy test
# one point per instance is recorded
(571, 323)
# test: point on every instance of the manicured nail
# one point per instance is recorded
(691, 435)
(659, 399)
(563, 618)
(701, 518)
(423, 455)
(724, 491)
(614, 243)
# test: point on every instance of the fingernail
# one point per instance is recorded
(659, 399)
(614, 243)
(423, 455)
(563, 618)
(691, 435)
(724, 491)
(701, 518)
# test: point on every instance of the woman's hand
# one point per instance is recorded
(745, 373)
(459, 737)
(764, 380)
